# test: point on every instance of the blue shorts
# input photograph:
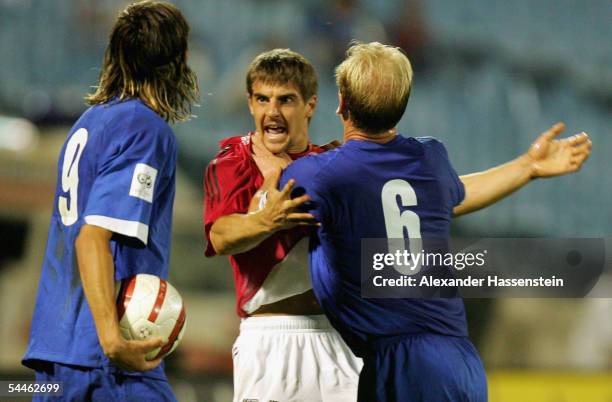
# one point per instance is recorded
(93, 384)
(423, 368)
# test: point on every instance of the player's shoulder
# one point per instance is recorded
(235, 143)
(428, 141)
(233, 150)
(125, 122)
(432, 144)
(312, 166)
(130, 119)
(435, 153)
(127, 109)
(143, 116)
(318, 157)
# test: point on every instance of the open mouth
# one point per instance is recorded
(275, 128)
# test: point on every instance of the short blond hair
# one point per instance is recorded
(374, 81)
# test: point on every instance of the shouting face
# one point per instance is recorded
(281, 116)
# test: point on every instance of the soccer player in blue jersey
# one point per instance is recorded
(112, 212)
(382, 185)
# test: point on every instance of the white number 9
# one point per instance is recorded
(70, 177)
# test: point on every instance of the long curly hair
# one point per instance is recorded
(146, 58)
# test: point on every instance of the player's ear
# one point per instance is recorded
(311, 106)
(341, 110)
(249, 102)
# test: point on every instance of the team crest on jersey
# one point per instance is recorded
(246, 139)
(143, 182)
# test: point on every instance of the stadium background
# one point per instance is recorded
(489, 76)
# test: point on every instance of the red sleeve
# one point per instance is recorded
(227, 188)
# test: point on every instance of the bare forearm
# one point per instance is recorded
(97, 276)
(485, 188)
(271, 210)
(238, 233)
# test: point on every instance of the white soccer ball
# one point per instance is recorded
(148, 306)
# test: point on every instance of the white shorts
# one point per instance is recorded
(293, 358)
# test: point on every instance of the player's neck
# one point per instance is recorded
(353, 133)
(298, 148)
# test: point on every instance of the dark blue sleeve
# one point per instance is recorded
(305, 172)
(457, 188)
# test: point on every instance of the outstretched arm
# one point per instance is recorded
(546, 157)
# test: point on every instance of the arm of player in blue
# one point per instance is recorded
(304, 171)
(457, 190)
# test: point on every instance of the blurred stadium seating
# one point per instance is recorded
(490, 75)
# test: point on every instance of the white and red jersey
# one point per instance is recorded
(278, 267)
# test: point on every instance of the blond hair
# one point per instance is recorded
(146, 58)
(374, 81)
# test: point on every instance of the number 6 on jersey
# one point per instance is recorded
(397, 220)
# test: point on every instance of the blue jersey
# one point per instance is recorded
(116, 170)
(365, 190)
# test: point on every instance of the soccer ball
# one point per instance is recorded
(148, 306)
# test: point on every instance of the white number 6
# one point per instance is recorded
(396, 219)
(70, 177)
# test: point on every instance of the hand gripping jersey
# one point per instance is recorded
(117, 171)
(277, 268)
(352, 188)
